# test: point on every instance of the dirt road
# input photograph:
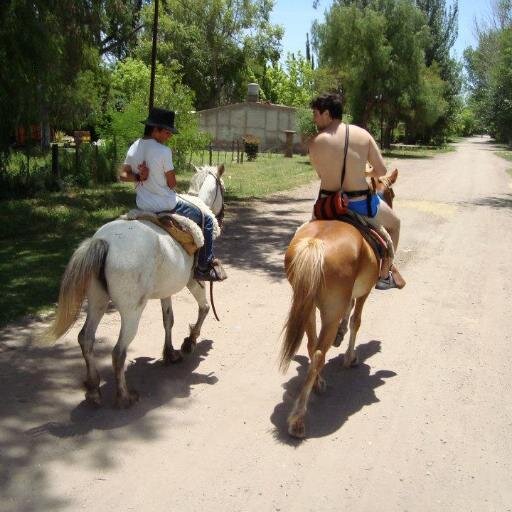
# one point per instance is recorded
(423, 424)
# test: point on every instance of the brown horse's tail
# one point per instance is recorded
(306, 275)
(87, 261)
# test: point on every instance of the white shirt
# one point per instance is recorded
(153, 195)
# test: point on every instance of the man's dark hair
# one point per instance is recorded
(148, 130)
(331, 102)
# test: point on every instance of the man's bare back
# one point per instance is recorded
(326, 155)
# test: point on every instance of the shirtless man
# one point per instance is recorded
(326, 154)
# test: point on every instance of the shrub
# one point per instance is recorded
(251, 146)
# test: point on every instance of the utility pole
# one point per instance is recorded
(153, 57)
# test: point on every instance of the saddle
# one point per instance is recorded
(185, 231)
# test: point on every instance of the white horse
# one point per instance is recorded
(129, 262)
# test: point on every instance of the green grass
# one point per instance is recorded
(417, 153)
(265, 176)
(37, 236)
(507, 155)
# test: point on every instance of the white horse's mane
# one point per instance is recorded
(200, 175)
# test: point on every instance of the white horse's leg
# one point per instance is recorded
(170, 355)
(343, 328)
(97, 303)
(350, 359)
(199, 293)
(129, 324)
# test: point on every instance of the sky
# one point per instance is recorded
(296, 16)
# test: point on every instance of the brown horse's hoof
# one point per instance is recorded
(188, 345)
(297, 428)
(172, 357)
(125, 401)
(354, 363)
(320, 385)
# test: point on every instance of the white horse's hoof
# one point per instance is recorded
(172, 357)
(125, 401)
(93, 397)
(188, 345)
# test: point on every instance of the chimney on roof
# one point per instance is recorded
(253, 92)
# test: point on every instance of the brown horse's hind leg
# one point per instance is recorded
(296, 426)
(319, 384)
(97, 303)
(343, 328)
(330, 323)
(350, 358)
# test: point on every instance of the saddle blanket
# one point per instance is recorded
(182, 229)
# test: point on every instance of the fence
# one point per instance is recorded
(29, 171)
(225, 154)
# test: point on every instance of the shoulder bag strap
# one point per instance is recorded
(344, 158)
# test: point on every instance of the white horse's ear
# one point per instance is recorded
(220, 170)
(196, 169)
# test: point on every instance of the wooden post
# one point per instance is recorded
(288, 151)
(95, 165)
(55, 162)
(210, 152)
(153, 57)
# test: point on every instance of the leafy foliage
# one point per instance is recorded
(379, 48)
(490, 76)
(221, 43)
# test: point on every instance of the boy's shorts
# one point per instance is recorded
(361, 206)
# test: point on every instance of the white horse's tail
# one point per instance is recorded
(87, 261)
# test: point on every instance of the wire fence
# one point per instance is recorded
(233, 152)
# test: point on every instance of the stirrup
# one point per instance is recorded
(215, 272)
(386, 283)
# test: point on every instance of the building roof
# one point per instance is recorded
(257, 104)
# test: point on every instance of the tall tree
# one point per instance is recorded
(442, 21)
(378, 51)
(51, 54)
(218, 43)
(489, 76)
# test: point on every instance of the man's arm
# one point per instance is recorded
(127, 174)
(376, 160)
(170, 177)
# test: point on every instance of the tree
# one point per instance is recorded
(219, 43)
(442, 22)
(378, 49)
(292, 84)
(488, 70)
(54, 51)
(129, 97)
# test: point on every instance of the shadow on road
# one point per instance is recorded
(34, 414)
(348, 391)
(253, 240)
(502, 201)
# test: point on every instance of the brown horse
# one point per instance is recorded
(330, 266)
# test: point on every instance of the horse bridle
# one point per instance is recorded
(220, 215)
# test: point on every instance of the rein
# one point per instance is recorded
(220, 219)
(220, 215)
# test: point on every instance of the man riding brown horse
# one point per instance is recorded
(339, 154)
